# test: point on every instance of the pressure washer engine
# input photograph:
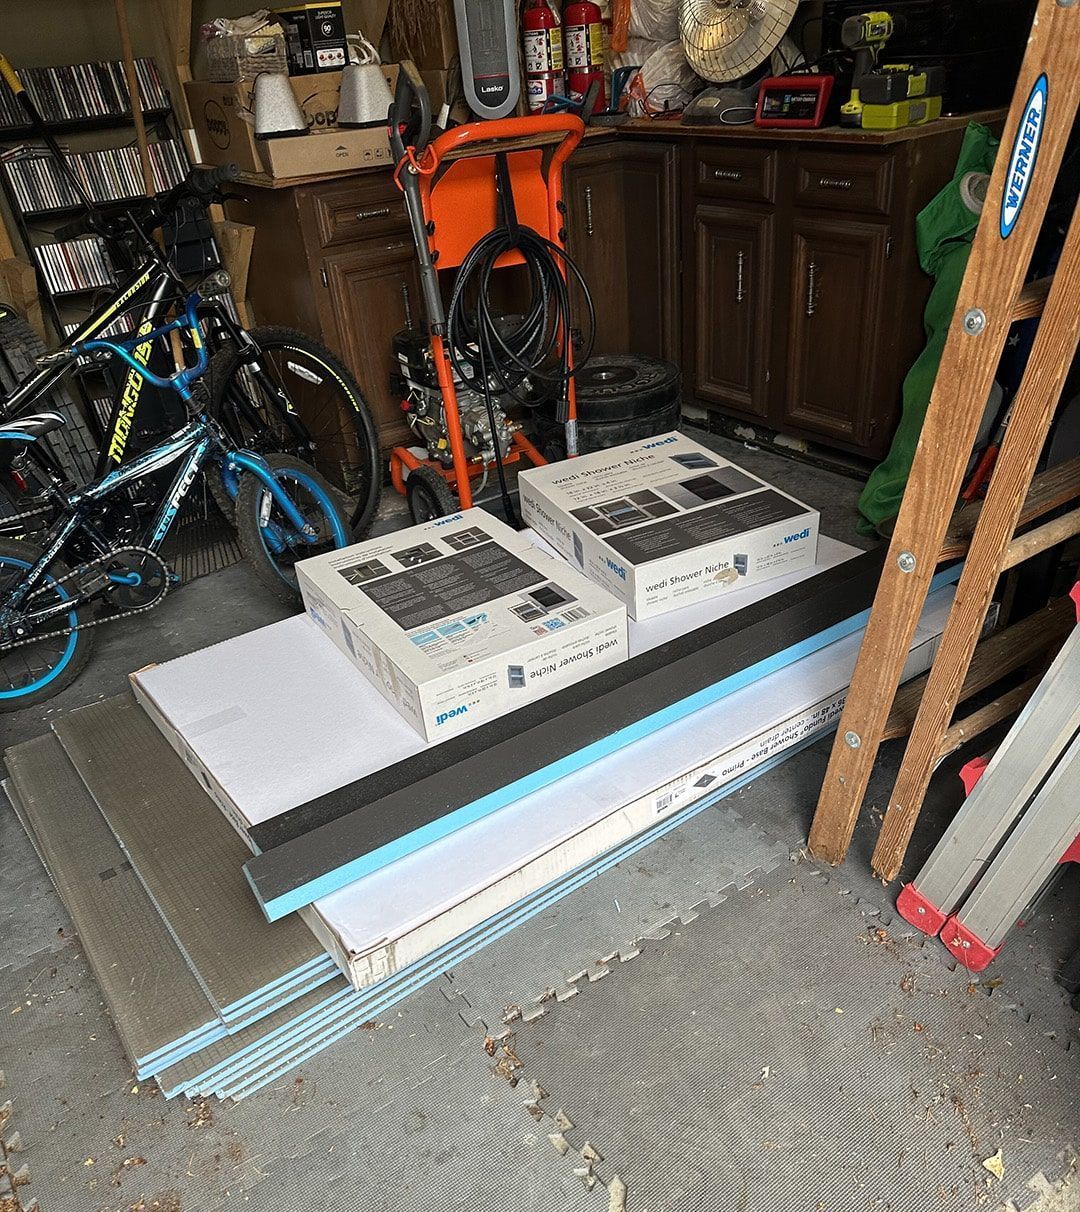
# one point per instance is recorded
(422, 402)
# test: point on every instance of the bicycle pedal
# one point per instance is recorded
(93, 583)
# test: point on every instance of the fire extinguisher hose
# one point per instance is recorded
(529, 353)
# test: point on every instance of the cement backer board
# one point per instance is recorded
(154, 998)
(368, 925)
(188, 859)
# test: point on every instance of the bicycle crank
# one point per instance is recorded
(132, 575)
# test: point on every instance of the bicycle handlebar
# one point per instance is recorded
(199, 183)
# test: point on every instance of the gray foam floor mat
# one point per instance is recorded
(704, 859)
(402, 1115)
(794, 1049)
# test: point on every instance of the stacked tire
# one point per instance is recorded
(620, 398)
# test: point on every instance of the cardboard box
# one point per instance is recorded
(462, 619)
(224, 122)
(665, 522)
(314, 37)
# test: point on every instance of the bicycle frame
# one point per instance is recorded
(190, 446)
(154, 288)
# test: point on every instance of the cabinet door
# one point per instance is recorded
(837, 275)
(374, 292)
(622, 221)
(650, 196)
(733, 306)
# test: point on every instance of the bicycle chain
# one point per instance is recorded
(37, 511)
(112, 618)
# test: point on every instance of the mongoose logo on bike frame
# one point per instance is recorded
(133, 386)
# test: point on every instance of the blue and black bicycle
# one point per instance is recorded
(259, 404)
(91, 568)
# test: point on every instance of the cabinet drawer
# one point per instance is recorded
(745, 174)
(361, 208)
(837, 181)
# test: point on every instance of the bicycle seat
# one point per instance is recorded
(29, 429)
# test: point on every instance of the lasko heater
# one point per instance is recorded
(487, 39)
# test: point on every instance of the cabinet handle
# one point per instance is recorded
(588, 211)
(740, 260)
(835, 182)
(811, 288)
(728, 174)
(408, 304)
(376, 212)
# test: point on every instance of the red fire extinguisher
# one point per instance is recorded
(583, 35)
(544, 75)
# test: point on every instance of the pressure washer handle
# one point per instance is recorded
(470, 138)
(410, 112)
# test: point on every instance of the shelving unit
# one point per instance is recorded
(75, 271)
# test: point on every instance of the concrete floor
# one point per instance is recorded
(304, 1143)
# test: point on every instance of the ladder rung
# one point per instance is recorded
(996, 656)
(1049, 534)
(987, 716)
(1049, 490)
(1031, 299)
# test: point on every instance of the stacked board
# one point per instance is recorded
(210, 997)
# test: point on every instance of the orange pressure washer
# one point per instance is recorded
(477, 203)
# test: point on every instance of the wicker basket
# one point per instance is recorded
(245, 56)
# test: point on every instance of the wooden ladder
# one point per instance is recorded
(991, 297)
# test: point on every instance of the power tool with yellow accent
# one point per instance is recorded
(889, 96)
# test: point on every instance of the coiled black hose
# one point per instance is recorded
(495, 355)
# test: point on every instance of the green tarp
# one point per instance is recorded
(944, 231)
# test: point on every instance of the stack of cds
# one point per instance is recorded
(39, 184)
(82, 91)
(75, 265)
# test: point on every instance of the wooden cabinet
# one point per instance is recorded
(803, 293)
(778, 268)
(622, 232)
(733, 252)
(335, 258)
(837, 272)
(374, 292)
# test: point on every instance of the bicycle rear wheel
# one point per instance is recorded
(337, 433)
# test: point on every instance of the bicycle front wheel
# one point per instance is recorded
(299, 399)
(269, 539)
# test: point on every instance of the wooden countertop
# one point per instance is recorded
(672, 128)
(669, 128)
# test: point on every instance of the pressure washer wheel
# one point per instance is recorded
(429, 495)
(620, 398)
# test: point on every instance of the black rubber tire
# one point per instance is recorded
(20, 347)
(249, 531)
(623, 387)
(84, 640)
(602, 436)
(429, 495)
(362, 481)
(620, 398)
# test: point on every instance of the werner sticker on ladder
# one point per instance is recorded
(1024, 153)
